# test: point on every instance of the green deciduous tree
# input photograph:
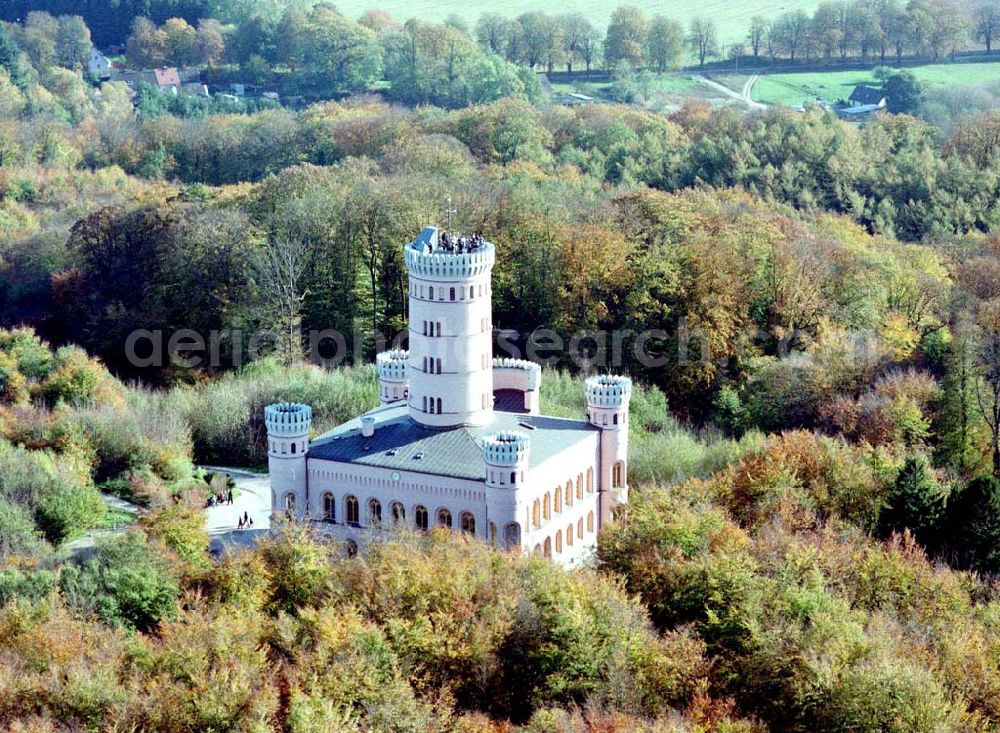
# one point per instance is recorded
(626, 37)
(664, 44)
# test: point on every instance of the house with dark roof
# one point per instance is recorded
(864, 95)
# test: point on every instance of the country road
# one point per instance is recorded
(745, 96)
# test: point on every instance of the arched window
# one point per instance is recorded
(374, 512)
(438, 365)
(579, 486)
(431, 292)
(512, 536)
(579, 528)
(420, 517)
(472, 292)
(351, 548)
(547, 506)
(513, 477)
(329, 508)
(468, 523)
(559, 540)
(293, 449)
(590, 480)
(618, 475)
(290, 504)
(493, 534)
(439, 412)
(590, 522)
(438, 329)
(352, 511)
(614, 419)
(537, 552)
(569, 494)
(444, 518)
(452, 294)
(534, 513)
(569, 535)
(548, 547)
(557, 503)
(398, 513)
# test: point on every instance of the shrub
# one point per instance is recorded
(127, 583)
(69, 511)
(182, 530)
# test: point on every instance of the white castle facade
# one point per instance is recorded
(458, 440)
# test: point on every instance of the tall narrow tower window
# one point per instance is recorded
(439, 405)
(438, 330)
(452, 294)
(438, 366)
(430, 292)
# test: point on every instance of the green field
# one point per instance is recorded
(794, 90)
(731, 16)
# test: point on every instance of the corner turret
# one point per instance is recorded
(288, 425)
(394, 384)
(506, 455)
(607, 408)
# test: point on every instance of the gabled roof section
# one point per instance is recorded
(864, 94)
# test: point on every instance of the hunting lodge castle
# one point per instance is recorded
(458, 440)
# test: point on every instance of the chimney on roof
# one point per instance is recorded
(368, 426)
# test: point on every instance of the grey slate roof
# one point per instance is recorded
(453, 452)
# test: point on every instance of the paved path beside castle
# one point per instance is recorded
(254, 499)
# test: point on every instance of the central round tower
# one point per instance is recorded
(451, 329)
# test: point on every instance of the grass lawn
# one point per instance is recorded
(662, 84)
(794, 90)
(732, 17)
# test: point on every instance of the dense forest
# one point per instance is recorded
(810, 310)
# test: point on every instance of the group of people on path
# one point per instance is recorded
(225, 498)
(220, 498)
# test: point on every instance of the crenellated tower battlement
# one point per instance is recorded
(506, 456)
(609, 391)
(288, 419)
(393, 376)
(428, 257)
